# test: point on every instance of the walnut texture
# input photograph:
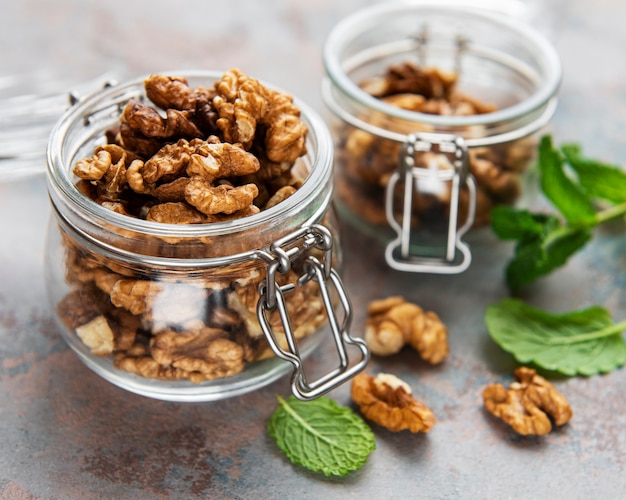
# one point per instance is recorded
(135, 296)
(431, 83)
(175, 213)
(137, 360)
(108, 165)
(529, 404)
(388, 401)
(98, 336)
(223, 199)
(240, 102)
(243, 104)
(205, 351)
(220, 160)
(304, 306)
(282, 194)
(173, 92)
(286, 134)
(95, 167)
(393, 323)
(143, 119)
(170, 92)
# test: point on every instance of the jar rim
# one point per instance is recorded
(370, 17)
(59, 174)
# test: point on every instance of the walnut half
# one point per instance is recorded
(393, 322)
(528, 404)
(97, 335)
(387, 400)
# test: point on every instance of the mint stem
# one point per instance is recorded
(611, 213)
(559, 233)
(584, 337)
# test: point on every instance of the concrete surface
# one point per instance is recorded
(66, 433)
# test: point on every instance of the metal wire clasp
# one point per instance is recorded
(112, 108)
(283, 255)
(398, 253)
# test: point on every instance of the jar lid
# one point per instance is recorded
(30, 105)
(385, 32)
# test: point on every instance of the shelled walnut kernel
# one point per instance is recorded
(387, 400)
(188, 156)
(529, 403)
(393, 323)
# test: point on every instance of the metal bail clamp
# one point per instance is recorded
(301, 246)
(457, 256)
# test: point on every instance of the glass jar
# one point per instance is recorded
(439, 106)
(196, 312)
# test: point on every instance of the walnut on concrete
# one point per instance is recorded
(388, 401)
(530, 405)
(393, 323)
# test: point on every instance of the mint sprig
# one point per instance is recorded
(321, 435)
(584, 342)
(599, 180)
(575, 186)
(544, 243)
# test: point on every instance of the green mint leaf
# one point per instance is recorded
(583, 342)
(511, 224)
(544, 242)
(567, 196)
(321, 435)
(599, 180)
(542, 247)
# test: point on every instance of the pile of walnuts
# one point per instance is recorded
(530, 405)
(191, 156)
(366, 162)
(391, 324)
(209, 154)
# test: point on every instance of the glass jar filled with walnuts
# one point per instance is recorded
(437, 108)
(193, 253)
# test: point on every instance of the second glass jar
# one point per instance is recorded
(439, 108)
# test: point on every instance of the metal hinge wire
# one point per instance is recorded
(280, 259)
(458, 176)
